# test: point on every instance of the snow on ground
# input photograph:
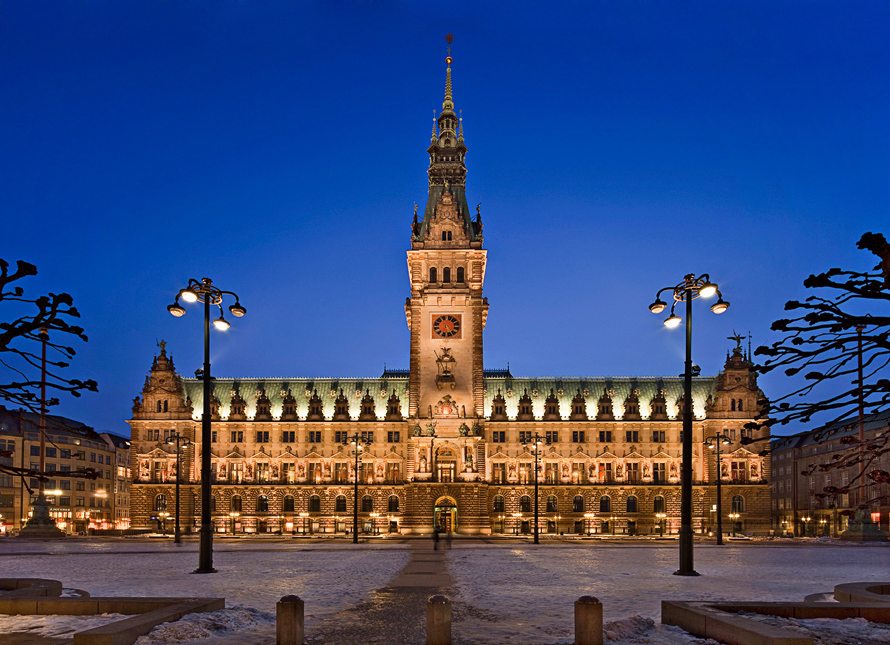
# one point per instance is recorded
(526, 593)
(830, 631)
(252, 577)
(58, 626)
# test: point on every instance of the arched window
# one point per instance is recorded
(460, 275)
(288, 506)
(236, 503)
(605, 504)
(340, 504)
(740, 405)
(738, 504)
(165, 405)
(446, 274)
(632, 504)
(732, 404)
(315, 504)
(159, 406)
(446, 236)
(161, 503)
(578, 504)
(658, 504)
(262, 504)
(551, 504)
(393, 505)
(367, 504)
(525, 504)
(433, 275)
(498, 504)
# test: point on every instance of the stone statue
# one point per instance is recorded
(619, 471)
(724, 470)
(423, 463)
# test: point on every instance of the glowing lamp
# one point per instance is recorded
(221, 323)
(237, 310)
(673, 321)
(189, 296)
(658, 306)
(176, 310)
(720, 306)
(707, 290)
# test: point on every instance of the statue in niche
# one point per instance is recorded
(327, 469)
(646, 471)
(591, 472)
(274, 471)
(469, 459)
(222, 470)
(445, 367)
(724, 470)
(248, 471)
(422, 463)
(619, 471)
(512, 471)
(143, 469)
(379, 471)
(754, 471)
(673, 469)
(301, 470)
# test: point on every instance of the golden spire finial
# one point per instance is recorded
(433, 137)
(460, 127)
(448, 104)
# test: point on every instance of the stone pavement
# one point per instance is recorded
(395, 613)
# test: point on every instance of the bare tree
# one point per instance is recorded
(840, 343)
(24, 320)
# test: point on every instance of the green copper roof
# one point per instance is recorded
(301, 388)
(460, 197)
(592, 389)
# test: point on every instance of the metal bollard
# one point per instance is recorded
(588, 621)
(289, 621)
(438, 621)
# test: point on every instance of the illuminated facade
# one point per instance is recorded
(447, 438)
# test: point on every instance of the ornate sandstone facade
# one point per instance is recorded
(447, 439)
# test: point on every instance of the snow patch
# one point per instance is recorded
(207, 625)
(830, 631)
(54, 625)
(639, 629)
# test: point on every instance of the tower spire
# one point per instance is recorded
(448, 103)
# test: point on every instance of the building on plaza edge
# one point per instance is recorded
(446, 436)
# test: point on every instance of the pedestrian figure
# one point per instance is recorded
(448, 541)
(436, 538)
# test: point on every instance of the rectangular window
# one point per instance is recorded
(633, 472)
(579, 473)
(107, 460)
(367, 472)
(392, 436)
(262, 436)
(605, 436)
(64, 453)
(51, 452)
(551, 473)
(289, 436)
(237, 436)
(341, 472)
(577, 436)
(65, 501)
(35, 451)
(525, 470)
(552, 436)
(498, 436)
(213, 436)
(499, 472)
(65, 484)
(263, 472)
(341, 436)
(79, 486)
(35, 465)
(65, 468)
(315, 436)
(632, 436)
(732, 435)
(525, 436)
(314, 472)
(658, 436)
(658, 473)
(80, 501)
(393, 473)
(50, 468)
(367, 436)
(605, 473)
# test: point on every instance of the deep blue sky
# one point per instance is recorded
(278, 147)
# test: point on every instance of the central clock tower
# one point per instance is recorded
(446, 266)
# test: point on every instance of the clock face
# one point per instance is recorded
(447, 326)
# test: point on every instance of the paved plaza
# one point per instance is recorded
(502, 591)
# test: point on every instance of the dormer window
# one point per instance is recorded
(446, 236)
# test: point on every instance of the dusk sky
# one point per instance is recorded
(279, 147)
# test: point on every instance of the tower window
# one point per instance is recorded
(460, 275)
(446, 236)
(732, 405)
(446, 274)
(433, 275)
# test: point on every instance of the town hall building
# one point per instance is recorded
(448, 443)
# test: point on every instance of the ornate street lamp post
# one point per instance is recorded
(356, 440)
(714, 443)
(205, 292)
(180, 442)
(536, 441)
(687, 291)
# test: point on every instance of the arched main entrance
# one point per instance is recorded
(445, 515)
